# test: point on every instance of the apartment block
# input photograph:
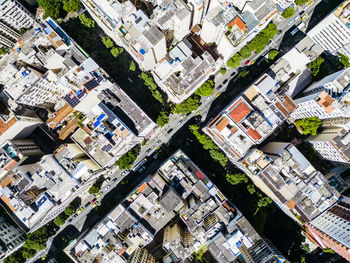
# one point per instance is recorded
(333, 144)
(287, 177)
(11, 237)
(331, 228)
(250, 118)
(8, 36)
(14, 14)
(326, 99)
(333, 32)
(180, 199)
(141, 255)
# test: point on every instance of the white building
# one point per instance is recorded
(333, 32)
(333, 144)
(7, 35)
(15, 15)
(283, 4)
(11, 236)
(325, 99)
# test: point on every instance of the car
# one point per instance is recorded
(198, 112)
(93, 200)
(158, 142)
(304, 17)
(115, 179)
(148, 151)
(74, 216)
(217, 95)
(253, 62)
(99, 194)
(182, 116)
(225, 81)
(95, 204)
(232, 74)
(108, 179)
(247, 62)
(219, 87)
(142, 169)
(107, 187)
(70, 220)
(87, 204)
(80, 210)
(180, 121)
(296, 18)
(123, 173)
(170, 131)
(290, 22)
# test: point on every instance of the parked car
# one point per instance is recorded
(93, 200)
(80, 210)
(99, 194)
(96, 204)
(74, 216)
(123, 173)
(158, 142)
(219, 87)
(170, 131)
(225, 81)
(247, 62)
(180, 121)
(148, 151)
(108, 186)
(70, 220)
(87, 204)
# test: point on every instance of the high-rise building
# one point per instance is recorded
(333, 144)
(333, 32)
(15, 14)
(326, 99)
(331, 228)
(11, 237)
(141, 255)
(8, 36)
(283, 4)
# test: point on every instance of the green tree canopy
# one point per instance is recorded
(315, 66)
(60, 219)
(94, 189)
(85, 21)
(219, 156)
(15, 257)
(162, 118)
(70, 210)
(107, 41)
(251, 189)
(132, 66)
(344, 60)
(126, 161)
(203, 139)
(308, 125)
(234, 61)
(152, 86)
(51, 8)
(28, 253)
(329, 250)
(264, 201)
(3, 51)
(235, 179)
(187, 106)
(273, 54)
(288, 12)
(223, 71)
(71, 5)
(115, 52)
(301, 2)
(37, 239)
(245, 52)
(206, 89)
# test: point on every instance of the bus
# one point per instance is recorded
(138, 166)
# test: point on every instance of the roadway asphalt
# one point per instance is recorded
(163, 135)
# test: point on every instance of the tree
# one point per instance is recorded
(152, 86)
(51, 8)
(115, 52)
(37, 239)
(344, 60)
(94, 189)
(302, 259)
(15, 257)
(223, 71)
(206, 89)
(187, 106)
(126, 161)
(328, 250)
(262, 202)
(162, 118)
(203, 139)
(132, 66)
(308, 125)
(3, 51)
(235, 179)
(70, 210)
(107, 42)
(288, 12)
(219, 156)
(273, 54)
(22, 30)
(315, 66)
(251, 189)
(301, 2)
(71, 5)
(234, 61)
(85, 21)
(28, 253)
(245, 52)
(60, 219)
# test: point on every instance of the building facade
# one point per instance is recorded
(11, 237)
(15, 14)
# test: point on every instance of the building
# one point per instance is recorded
(11, 237)
(288, 178)
(8, 36)
(283, 4)
(180, 199)
(331, 228)
(250, 118)
(15, 15)
(327, 99)
(333, 32)
(130, 28)
(16, 125)
(333, 144)
(36, 193)
(141, 255)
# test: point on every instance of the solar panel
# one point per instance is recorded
(91, 84)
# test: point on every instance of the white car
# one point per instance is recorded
(290, 22)
(124, 172)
